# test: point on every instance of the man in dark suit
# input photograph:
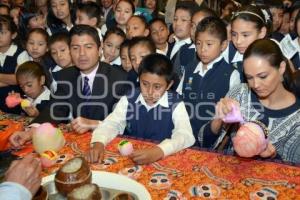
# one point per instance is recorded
(86, 92)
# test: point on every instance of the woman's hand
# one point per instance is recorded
(224, 106)
(269, 152)
(146, 156)
(96, 153)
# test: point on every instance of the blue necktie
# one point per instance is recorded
(86, 91)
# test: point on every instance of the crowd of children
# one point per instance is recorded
(183, 76)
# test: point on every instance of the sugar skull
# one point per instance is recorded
(174, 195)
(63, 158)
(209, 191)
(264, 194)
(106, 163)
(160, 180)
(132, 172)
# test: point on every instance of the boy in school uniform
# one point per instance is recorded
(208, 79)
(181, 51)
(151, 112)
(89, 13)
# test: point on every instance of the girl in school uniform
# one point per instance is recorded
(31, 79)
(61, 15)
(247, 25)
(151, 112)
(123, 11)
(111, 46)
(11, 55)
(208, 79)
(137, 26)
(124, 55)
(296, 58)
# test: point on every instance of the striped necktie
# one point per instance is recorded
(86, 91)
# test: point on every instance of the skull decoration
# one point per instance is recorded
(132, 172)
(174, 195)
(63, 158)
(106, 163)
(160, 180)
(209, 191)
(264, 194)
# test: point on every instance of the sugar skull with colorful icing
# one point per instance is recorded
(160, 180)
(174, 195)
(132, 172)
(209, 191)
(106, 163)
(264, 194)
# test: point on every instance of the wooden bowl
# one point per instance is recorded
(74, 173)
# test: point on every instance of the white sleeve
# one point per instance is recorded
(23, 57)
(182, 134)
(113, 124)
(179, 89)
(14, 191)
(234, 78)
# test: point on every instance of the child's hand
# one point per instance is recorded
(31, 111)
(82, 125)
(19, 138)
(96, 153)
(146, 156)
(13, 93)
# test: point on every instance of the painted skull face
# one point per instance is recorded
(206, 190)
(63, 158)
(132, 172)
(106, 163)
(174, 195)
(264, 194)
(160, 180)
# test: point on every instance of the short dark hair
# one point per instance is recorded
(189, 6)
(116, 31)
(60, 36)
(275, 4)
(157, 64)
(142, 19)
(41, 31)
(215, 26)
(143, 41)
(83, 29)
(30, 68)
(154, 20)
(91, 9)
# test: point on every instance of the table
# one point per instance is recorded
(190, 174)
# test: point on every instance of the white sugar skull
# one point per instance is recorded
(160, 180)
(106, 163)
(206, 190)
(174, 195)
(132, 172)
(264, 194)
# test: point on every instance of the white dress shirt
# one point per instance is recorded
(23, 57)
(163, 52)
(91, 77)
(238, 57)
(45, 95)
(115, 123)
(178, 45)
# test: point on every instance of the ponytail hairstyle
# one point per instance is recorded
(270, 51)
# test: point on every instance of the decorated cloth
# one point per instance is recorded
(189, 174)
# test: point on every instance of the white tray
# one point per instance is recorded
(108, 183)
